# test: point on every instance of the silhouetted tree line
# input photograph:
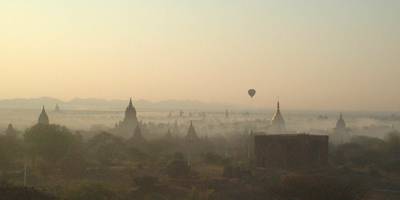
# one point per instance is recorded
(154, 170)
(13, 192)
(362, 151)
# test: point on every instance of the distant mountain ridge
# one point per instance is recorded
(115, 104)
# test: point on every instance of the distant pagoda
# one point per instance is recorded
(10, 131)
(226, 113)
(340, 125)
(43, 118)
(168, 135)
(57, 108)
(192, 135)
(277, 122)
(341, 133)
(130, 122)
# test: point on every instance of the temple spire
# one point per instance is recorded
(130, 112)
(192, 135)
(43, 117)
(130, 121)
(340, 124)
(168, 135)
(10, 131)
(277, 122)
(130, 103)
(57, 108)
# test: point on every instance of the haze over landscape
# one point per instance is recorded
(199, 100)
(340, 55)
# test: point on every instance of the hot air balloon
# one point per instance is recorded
(252, 92)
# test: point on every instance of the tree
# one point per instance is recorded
(91, 191)
(49, 142)
(312, 187)
(74, 162)
(178, 167)
(393, 142)
(106, 148)
(6, 158)
(11, 192)
(213, 158)
(11, 150)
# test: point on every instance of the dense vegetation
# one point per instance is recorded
(62, 164)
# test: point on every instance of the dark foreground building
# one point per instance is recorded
(291, 151)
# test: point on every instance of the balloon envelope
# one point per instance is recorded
(252, 92)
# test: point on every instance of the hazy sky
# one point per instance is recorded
(321, 54)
